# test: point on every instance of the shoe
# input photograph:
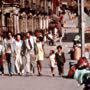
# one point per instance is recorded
(23, 74)
(40, 74)
(31, 74)
(53, 75)
(2, 74)
(10, 74)
(19, 74)
(27, 74)
(61, 75)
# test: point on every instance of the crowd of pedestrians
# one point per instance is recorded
(22, 52)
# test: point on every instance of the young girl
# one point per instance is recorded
(52, 62)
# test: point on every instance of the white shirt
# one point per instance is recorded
(10, 42)
(18, 45)
(52, 57)
(52, 60)
(32, 40)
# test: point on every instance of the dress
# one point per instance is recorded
(40, 55)
(52, 60)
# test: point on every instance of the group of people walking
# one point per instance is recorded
(23, 52)
(19, 52)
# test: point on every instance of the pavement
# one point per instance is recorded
(37, 83)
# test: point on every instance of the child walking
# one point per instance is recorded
(52, 62)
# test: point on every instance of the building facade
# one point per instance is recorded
(24, 15)
(27, 15)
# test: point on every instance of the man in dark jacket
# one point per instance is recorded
(60, 59)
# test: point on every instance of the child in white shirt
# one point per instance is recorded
(52, 61)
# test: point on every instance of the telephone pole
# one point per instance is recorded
(82, 27)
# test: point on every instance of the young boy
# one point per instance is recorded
(60, 59)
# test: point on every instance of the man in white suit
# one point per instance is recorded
(30, 56)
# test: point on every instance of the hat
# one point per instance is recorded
(77, 37)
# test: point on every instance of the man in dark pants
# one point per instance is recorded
(60, 59)
(8, 57)
(9, 50)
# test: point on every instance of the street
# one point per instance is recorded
(37, 83)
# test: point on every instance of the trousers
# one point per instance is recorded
(27, 67)
(18, 63)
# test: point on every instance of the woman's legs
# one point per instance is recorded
(39, 67)
(52, 71)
